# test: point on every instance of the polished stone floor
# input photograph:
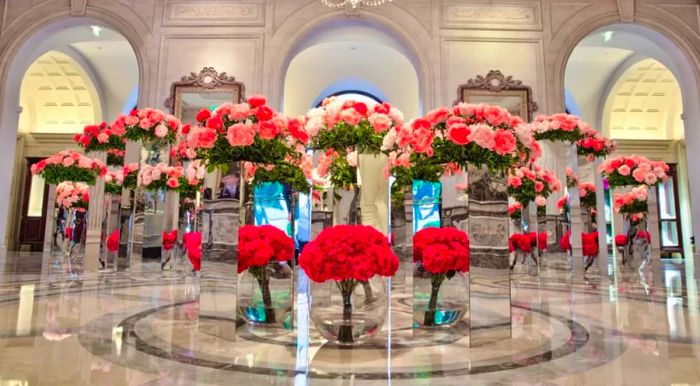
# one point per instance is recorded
(143, 328)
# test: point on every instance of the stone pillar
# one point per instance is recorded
(655, 247)
(604, 259)
(574, 215)
(94, 221)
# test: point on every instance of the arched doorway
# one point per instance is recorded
(625, 80)
(70, 74)
(345, 46)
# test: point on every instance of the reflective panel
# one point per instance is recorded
(489, 275)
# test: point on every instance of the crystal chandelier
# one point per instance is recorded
(353, 3)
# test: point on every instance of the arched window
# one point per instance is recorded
(356, 95)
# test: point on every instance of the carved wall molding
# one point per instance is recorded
(685, 14)
(207, 79)
(505, 16)
(77, 7)
(496, 81)
(180, 13)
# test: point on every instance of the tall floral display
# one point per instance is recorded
(349, 135)
(634, 179)
(269, 150)
(72, 174)
(156, 131)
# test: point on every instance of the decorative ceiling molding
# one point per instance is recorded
(502, 16)
(77, 7)
(181, 13)
(627, 9)
(687, 15)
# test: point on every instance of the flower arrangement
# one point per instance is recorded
(257, 246)
(105, 138)
(525, 184)
(193, 244)
(589, 243)
(632, 202)
(71, 194)
(563, 203)
(560, 127)
(594, 145)
(150, 125)
(349, 255)
(251, 132)
(67, 165)
(587, 194)
(440, 254)
(169, 239)
(515, 211)
(345, 128)
(124, 178)
(481, 135)
(161, 176)
(633, 170)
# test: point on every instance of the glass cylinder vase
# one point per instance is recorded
(349, 312)
(439, 299)
(265, 295)
(109, 249)
(75, 232)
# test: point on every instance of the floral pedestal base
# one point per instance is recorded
(439, 300)
(489, 272)
(349, 312)
(265, 295)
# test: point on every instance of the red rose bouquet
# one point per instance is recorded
(67, 165)
(439, 253)
(151, 125)
(105, 138)
(560, 127)
(113, 241)
(193, 244)
(257, 246)
(633, 170)
(349, 255)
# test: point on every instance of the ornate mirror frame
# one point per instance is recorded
(495, 84)
(208, 80)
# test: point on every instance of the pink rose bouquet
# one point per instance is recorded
(68, 165)
(71, 194)
(151, 125)
(161, 176)
(526, 185)
(105, 138)
(587, 194)
(633, 170)
(633, 202)
(594, 145)
(560, 127)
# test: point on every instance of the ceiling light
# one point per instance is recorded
(607, 35)
(96, 30)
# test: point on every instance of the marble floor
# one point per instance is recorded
(144, 328)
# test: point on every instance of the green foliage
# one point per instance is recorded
(471, 154)
(617, 180)
(115, 160)
(262, 151)
(285, 173)
(55, 174)
(342, 136)
(342, 174)
(560, 135)
(635, 206)
(113, 188)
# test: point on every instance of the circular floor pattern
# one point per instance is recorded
(545, 351)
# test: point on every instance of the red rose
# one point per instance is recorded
(257, 245)
(263, 113)
(134, 112)
(257, 101)
(382, 108)
(441, 250)
(215, 123)
(203, 115)
(360, 107)
(186, 129)
(298, 132)
(459, 133)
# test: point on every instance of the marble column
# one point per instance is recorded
(574, 215)
(653, 229)
(607, 269)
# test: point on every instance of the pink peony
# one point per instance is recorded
(239, 112)
(351, 117)
(102, 138)
(241, 134)
(624, 170)
(504, 142)
(483, 135)
(540, 201)
(380, 122)
(514, 181)
(161, 131)
(68, 161)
